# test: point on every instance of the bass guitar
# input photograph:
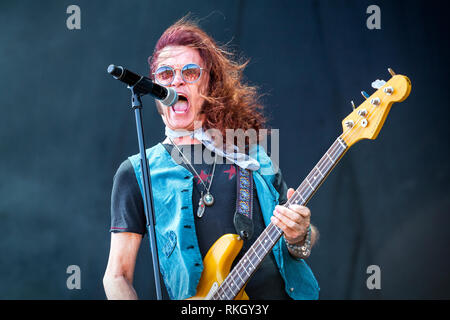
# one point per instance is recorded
(365, 122)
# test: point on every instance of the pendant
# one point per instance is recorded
(208, 199)
(201, 207)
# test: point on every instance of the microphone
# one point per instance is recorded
(168, 96)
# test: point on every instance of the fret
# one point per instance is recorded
(338, 146)
(261, 245)
(342, 143)
(329, 157)
(319, 172)
(323, 166)
(258, 248)
(304, 191)
(300, 194)
(255, 253)
(314, 176)
(250, 260)
(292, 199)
(247, 259)
(221, 293)
(238, 273)
(233, 282)
(268, 235)
(277, 232)
(310, 184)
(245, 269)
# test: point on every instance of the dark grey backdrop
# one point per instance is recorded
(66, 126)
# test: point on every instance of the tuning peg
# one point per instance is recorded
(375, 101)
(388, 90)
(377, 84)
(391, 72)
(365, 95)
(353, 105)
(349, 123)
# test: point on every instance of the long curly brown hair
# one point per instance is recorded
(230, 103)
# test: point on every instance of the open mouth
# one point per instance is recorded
(182, 105)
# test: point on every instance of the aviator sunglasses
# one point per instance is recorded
(165, 75)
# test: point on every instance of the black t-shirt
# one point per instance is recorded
(127, 213)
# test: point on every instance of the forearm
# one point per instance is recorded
(118, 288)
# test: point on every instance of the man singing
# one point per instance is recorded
(198, 199)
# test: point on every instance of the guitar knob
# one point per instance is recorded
(377, 84)
(375, 101)
(349, 123)
(388, 90)
(362, 112)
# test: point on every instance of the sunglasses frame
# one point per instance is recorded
(174, 73)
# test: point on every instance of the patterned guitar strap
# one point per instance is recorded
(244, 204)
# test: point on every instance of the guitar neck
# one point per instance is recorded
(252, 259)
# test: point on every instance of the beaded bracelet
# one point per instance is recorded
(305, 250)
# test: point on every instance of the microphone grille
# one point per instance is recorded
(171, 98)
(115, 71)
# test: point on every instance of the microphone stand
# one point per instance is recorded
(136, 105)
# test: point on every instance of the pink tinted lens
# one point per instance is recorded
(191, 72)
(164, 75)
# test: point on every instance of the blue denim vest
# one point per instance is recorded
(181, 269)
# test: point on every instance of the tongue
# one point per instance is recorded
(180, 106)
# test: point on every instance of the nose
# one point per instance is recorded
(178, 80)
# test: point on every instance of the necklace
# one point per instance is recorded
(208, 198)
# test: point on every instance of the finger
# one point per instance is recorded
(290, 192)
(289, 233)
(279, 224)
(292, 223)
(294, 212)
(301, 210)
(285, 212)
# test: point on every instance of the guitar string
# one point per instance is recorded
(278, 232)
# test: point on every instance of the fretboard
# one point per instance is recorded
(252, 259)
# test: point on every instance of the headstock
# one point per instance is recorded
(366, 121)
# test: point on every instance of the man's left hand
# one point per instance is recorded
(294, 221)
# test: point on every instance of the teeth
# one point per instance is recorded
(182, 105)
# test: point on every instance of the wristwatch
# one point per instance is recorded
(304, 250)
